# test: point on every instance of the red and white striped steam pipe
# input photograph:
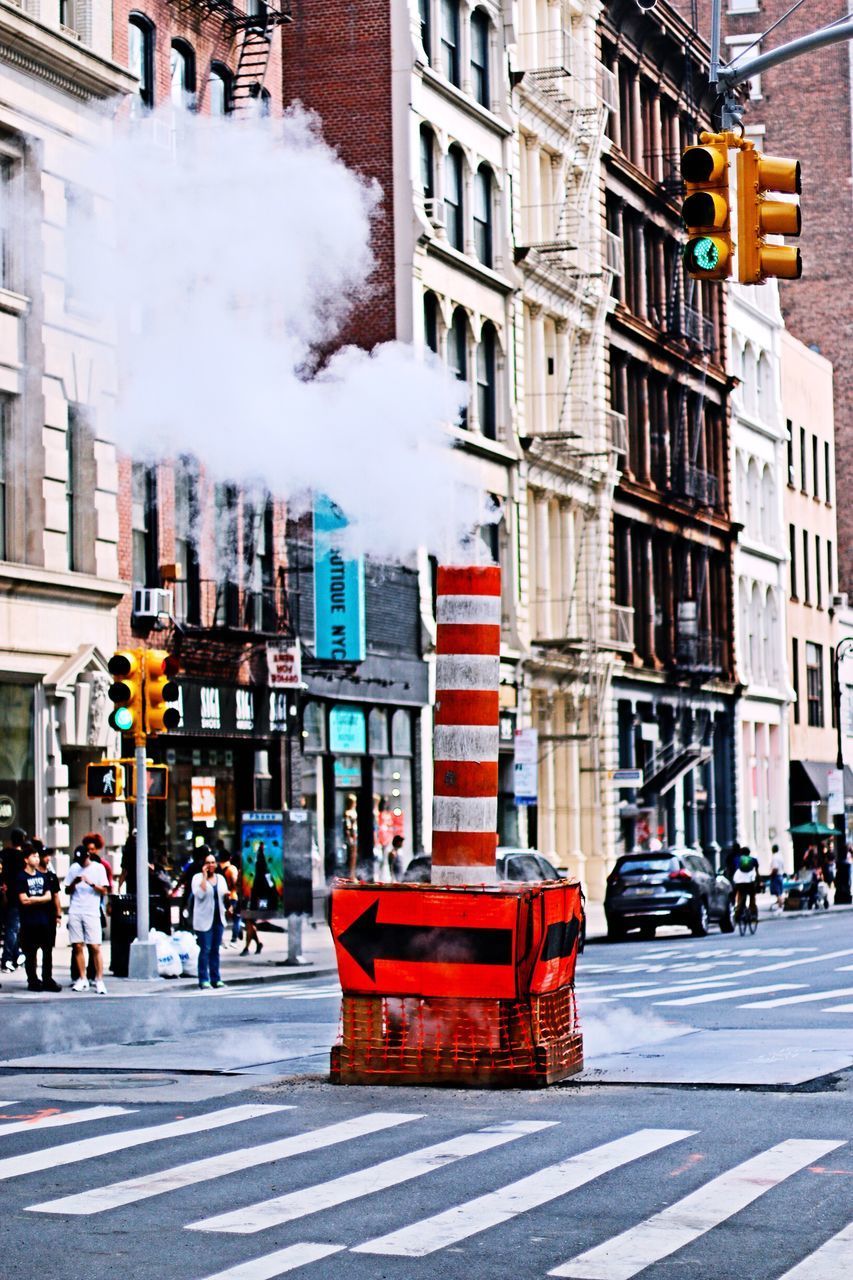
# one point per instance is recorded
(465, 744)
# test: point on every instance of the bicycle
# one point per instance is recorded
(747, 918)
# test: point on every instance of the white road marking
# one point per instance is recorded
(9, 1104)
(377, 1177)
(664, 1233)
(88, 1148)
(839, 1008)
(497, 1207)
(830, 1262)
(710, 996)
(621, 993)
(806, 999)
(99, 1199)
(278, 1263)
(64, 1118)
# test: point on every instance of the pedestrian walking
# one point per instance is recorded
(35, 901)
(56, 902)
(87, 885)
(395, 858)
(777, 877)
(210, 895)
(232, 879)
(13, 865)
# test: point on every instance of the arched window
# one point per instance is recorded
(140, 59)
(480, 30)
(486, 382)
(425, 15)
(453, 202)
(483, 183)
(182, 69)
(219, 90)
(450, 40)
(457, 352)
(431, 322)
(428, 162)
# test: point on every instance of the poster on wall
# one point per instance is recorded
(276, 864)
(526, 766)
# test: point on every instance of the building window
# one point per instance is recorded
(829, 588)
(790, 453)
(187, 517)
(815, 468)
(219, 86)
(814, 684)
(832, 668)
(226, 504)
(4, 504)
(146, 566)
(427, 162)
(182, 70)
(483, 183)
(6, 222)
(826, 465)
(431, 322)
(740, 44)
(486, 382)
(453, 199)
(457, 353)
(803, 488)
(818, 578)
(79, 224)
(450, 40)
(795, 676)
(261, 613)
(807, 586)
(70, 494)
(140, 48)
(792, 538)
(480, 31)
(425, 15)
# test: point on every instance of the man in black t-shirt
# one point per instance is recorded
(38, 921)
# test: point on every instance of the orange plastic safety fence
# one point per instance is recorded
(411, 1040)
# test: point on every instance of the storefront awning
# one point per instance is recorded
(810, 781)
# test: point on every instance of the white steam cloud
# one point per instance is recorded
(240, 249)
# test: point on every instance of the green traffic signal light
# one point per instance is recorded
(703, 254)
(122, 719)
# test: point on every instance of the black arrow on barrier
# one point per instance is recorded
(368, 941)
(560, 939)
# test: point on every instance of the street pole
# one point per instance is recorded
(143, 953)
(842, 866)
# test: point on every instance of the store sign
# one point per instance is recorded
(278, 711)
(284, 666)
(245, 710)
(204, 799)
(347, 731)
(526, 766)
(210, 713)
(339, 621)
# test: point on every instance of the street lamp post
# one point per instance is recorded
(842, 866)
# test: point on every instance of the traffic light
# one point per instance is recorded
(160, 691)
(759, 217)
(125, 667)
(706, 212)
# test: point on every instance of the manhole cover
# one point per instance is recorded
(106, 1081)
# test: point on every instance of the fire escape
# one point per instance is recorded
(256, 26)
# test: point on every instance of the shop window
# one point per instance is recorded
(480, 56)
(393, 804)
(313, 728)
(219, 90)
(16, 757)
(347, 731)
(377, 733)
(401, 734)
(140, 42)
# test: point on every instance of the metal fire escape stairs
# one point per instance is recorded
(257, 25)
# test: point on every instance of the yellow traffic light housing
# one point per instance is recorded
(161, 691)
(125, 667)
(759, 217)
(706, 211)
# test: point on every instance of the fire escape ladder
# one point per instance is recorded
(249, 77)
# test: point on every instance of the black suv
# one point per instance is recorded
(674, 886)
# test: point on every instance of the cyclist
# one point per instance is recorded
(746, 883)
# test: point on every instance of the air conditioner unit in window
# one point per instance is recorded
(434, 210)
(151, 603)
(838, 601)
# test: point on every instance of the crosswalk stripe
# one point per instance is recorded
(678, 1225)
(710, 996)
(100, 1199)
(830, 1262)
(278, 1263)
(497, 1207)
(377, 1177)
(9, 1104)
(64, 1118)
(619, 993)
(839, 1008)
(88, 1148)
(806, 999)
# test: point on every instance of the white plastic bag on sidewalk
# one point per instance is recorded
(168, 960)
(187, 949)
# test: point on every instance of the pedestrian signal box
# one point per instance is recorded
(157, 781)
(161, 691)
(706, 211)
(759, 216)
(125, 667)
(105, 781)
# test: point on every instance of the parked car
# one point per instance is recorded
(674, 886)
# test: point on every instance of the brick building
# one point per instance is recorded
(672, 531)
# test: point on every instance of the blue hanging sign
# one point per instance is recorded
(339, 623)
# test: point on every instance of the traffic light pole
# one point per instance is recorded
(143, 954)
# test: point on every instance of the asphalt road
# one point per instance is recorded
(599, 1179)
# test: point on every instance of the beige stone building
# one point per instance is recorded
(812, 626)
(58, 516)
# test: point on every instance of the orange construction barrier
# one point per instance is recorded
(468, 985)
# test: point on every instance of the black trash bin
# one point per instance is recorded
(123, 927)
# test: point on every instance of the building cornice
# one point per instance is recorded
(54, 58)
(28, 581)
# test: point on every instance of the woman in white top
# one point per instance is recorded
(210, 903)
